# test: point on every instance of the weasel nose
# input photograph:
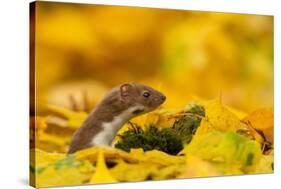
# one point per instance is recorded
(163, 97)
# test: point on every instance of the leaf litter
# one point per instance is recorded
(202, 139)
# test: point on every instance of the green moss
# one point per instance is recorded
(196, 109)
(169, 140)
(165, 140)
(187, 125)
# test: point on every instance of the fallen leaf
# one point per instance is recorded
(218, 118)
(229, 148)
(196, 167)
(43, 158)
(134, 172)
(74, 119)
(102, 174)
(60, 172)
(91, 154)
(262, 120)
(157, 157)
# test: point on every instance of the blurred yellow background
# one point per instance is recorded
(84, 50)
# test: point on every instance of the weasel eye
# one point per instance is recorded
(146, 94)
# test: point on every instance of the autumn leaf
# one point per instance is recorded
(60, 170)
(102, 174)
(43, 158)
(265, 165)
(262, 120)
(134, 172)
(196, 167)
(229, 148)
(221, 145)
(74, 119)
(91, 154)
(156, 156)
(218, 118)
(154, 164)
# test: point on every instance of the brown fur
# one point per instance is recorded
(113, 104)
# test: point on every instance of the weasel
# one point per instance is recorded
(117, 107)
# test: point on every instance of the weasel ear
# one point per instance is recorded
(125, 90)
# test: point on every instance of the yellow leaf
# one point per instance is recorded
(218, 118)
(75, 119)
(43, 158)
(62, 172)
(40, 123)
(134, 172)
(57, 140)
(109, 153)
(265, 165)
(228, 168)
(196, 167)
(156, 157)
(262, 119)
(225, 147)
(52, 177)
(102, 174)
(154, 164)
(168, 172)
(158, 117)
(240, 114)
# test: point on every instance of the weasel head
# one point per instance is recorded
(140, 98)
